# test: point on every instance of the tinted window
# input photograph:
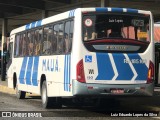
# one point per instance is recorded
(47, 39)
(30, 39)
(60, 38)
(38, 37)
(52, 39)
(126, 26)
(116, 32)
(16, 45)
(24, 44)
(68, 35)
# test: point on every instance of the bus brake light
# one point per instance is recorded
(80, 72)
(150, 73)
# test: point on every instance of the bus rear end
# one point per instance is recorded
(118, 50)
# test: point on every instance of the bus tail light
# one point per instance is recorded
(150, 73)
(80, 72)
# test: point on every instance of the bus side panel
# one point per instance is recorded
(57, 72)
(55, 68)
(27, 74)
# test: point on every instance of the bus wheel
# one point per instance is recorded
(20, 94)
(48, 102)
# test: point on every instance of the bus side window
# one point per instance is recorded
(37, 41)
(71, 35)
(47, 40)
(24, 46)
(54, 40)
(60, 39)
(20, 45)
(10, 50)
(16, 45)
(50, 37)
(30, 42)
(68, 36)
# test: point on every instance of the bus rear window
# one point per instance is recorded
(113, 27)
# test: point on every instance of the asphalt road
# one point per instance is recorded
(31, 107)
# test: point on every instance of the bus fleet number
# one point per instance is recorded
(90, 77)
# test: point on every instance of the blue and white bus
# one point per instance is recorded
(85, 52)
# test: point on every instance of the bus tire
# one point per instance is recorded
(49, 102)
(44, 97)
(20, 94)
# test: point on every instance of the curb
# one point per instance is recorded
(5, 89)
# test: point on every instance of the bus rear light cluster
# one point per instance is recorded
(150, 77)
(80, 72)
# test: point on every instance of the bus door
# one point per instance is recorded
(9, 56)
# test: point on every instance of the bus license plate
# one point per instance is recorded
(117, 91)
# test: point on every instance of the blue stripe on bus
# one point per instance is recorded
(35, 71)
(117, 9)
(101, 9)
(106, 9)
(132, 10)
(27, 26)
(71, 13)
(22, 71)
(141, 68)
(29, 71)
(105, 70)
(123, 69)
(39, 23)
(33, 24)
(67, 73)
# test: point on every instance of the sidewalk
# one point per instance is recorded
(4, 87)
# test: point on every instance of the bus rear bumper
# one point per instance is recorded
(102, 90)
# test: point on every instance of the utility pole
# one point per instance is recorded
(105, 3)
(3, 61)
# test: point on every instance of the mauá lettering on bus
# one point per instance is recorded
(50, 65)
